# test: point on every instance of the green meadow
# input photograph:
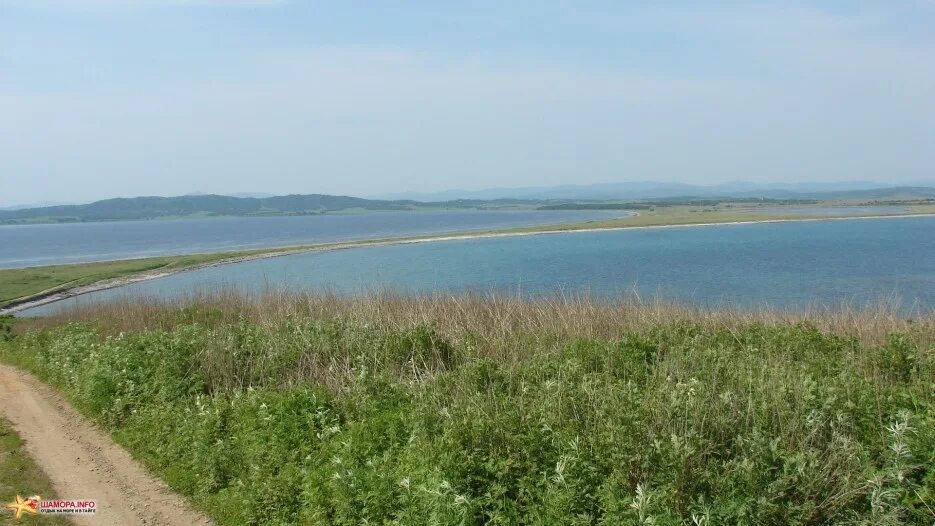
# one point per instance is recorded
(22, 283)
(460, 410)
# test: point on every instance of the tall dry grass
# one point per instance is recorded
(496, 317)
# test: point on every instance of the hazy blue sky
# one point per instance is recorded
(103, 98)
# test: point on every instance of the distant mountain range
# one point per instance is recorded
(34, 205)
(594, 196)
(207, 205)
(656, 190)
(194, 205)
(48, 204)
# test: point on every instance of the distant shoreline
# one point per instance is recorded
(64, 294)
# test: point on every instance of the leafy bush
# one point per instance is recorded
(6, 327)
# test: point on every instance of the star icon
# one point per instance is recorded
(22, 506)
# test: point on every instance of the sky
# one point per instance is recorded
(108, 98)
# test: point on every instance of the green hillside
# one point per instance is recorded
(383, 410)
(206, 205)
(141, 208)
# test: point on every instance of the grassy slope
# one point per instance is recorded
(21, 283)
(463, 411)
(18, 284)
(19, 475)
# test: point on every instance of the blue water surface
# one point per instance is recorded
(34, 245)
(799, 264)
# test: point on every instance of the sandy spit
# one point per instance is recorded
(63, 294)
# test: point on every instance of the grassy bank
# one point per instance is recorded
(19, 475)
(318, 410)
(21, 283)
(24, 284)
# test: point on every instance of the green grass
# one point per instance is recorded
(314, 410)
(19, 475)
(19, 283)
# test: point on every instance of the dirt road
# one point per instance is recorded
(83, 462)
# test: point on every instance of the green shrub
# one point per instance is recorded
(6, 327)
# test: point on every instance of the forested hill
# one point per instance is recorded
(204, 205)
(210, 205)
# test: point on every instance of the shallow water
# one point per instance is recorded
(753, 265)
(33, 245)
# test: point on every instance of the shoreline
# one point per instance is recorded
(67, 293)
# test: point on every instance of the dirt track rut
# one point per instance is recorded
(83, 462)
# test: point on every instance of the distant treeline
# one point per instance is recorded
(219, 205)
(598, 206)
(140, 208)
(897, 202)
(651, 204)
(208, 205)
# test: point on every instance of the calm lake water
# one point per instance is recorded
(776, 264)
(33, 245)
